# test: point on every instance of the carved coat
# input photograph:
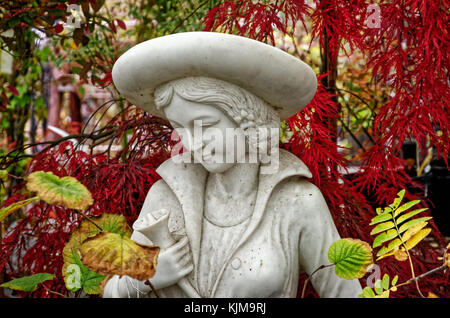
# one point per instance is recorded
(289, 231)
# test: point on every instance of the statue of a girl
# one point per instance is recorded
(239, 231)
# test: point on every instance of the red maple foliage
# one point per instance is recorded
(409, 52)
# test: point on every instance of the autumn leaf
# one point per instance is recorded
(4, 212)
(114, 254)
(351, 257)
(76, 275)
(13, 90)
(66, 191)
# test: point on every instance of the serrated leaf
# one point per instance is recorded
(382, 227)
(413, 241)
(368, 293)
(66, 191)
(385, 282)
(384, 237)
(351, 257)
(411, 223)
(406, 206)
(408, 215)
(28, 283)
(10, 209)
(392, 246)
(381, 218)
(114, 254)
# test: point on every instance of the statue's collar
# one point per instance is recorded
(289, 165)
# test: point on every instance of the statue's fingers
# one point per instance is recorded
(185, 260)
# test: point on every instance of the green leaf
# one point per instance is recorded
(406, 206)
(408, 215)
(394, 280)
(411, 223)
(66, 191)
(377, 286)
(391, 246)
(381, 218)
(14, 207)
(385, 282)
(382, 227)
(28, 283)
(398, 200)
(368, 292)
(384, 237)
(351, 257)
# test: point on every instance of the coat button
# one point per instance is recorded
(236, 263)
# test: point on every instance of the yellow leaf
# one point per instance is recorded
(432, 295)
(413, 230)
(400, 255)
(114, 254)
(413, 241)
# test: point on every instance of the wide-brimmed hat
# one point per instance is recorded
(285, 82)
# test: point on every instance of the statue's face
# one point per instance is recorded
(203, 130)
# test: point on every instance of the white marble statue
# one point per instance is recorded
(225, 228)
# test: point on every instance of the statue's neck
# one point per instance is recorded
(230, 196)
(239, 180)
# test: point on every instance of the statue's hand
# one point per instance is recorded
(174, 263)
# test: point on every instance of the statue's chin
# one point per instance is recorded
(217, 167)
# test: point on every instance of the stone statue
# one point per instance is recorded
(225, 227)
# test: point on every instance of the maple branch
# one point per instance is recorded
(188, 16)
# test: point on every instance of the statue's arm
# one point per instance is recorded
(317, 233)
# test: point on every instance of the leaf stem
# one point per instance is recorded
(147, 282)
(89, 219)
(310, 276)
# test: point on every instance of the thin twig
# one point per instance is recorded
(147, 282)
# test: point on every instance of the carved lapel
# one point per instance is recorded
(289, 166)
(187, 181)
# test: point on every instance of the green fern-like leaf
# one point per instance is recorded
(394, 220)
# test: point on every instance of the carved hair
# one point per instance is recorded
(246, 109)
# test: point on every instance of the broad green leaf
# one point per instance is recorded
(381, 218)
(377, 286)
(413, 241)
(411, 223)
(382, 227)
(351, 257)
(114, 254)
(408, 215)
(66, 191)
(385, 281)
(405, 207)
(10, 209)
(28, 283)
(394, 280)
(384, 237)
(76, 275)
